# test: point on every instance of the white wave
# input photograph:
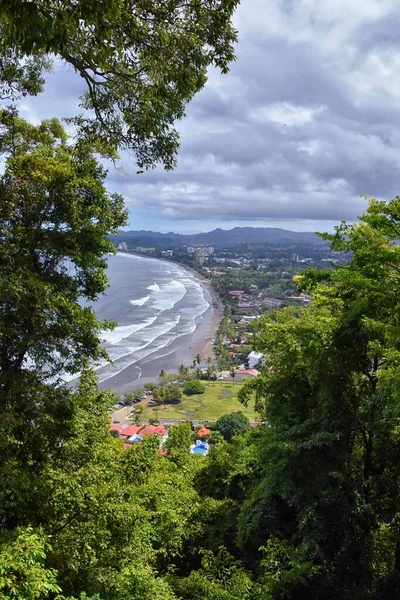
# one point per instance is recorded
(168, 295)
(154, 287)
(136, 353)
(124, 331)
(140, 301)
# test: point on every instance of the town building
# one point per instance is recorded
(273, 302)
(199, 257)
(167, 253)
(122, 246)
(144, 250)
(254, 358)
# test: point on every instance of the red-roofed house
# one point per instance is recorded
(237, 293)
(130, 430)
(249, 372)
(119, 428)
(153, 429)
(203, 431)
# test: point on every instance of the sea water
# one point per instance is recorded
(154, 304)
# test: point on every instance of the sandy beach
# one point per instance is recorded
(179, 351)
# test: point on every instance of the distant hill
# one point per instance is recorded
(223, 237)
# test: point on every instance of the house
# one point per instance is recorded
(203, 431)
(245, 305)
(129, 431)
(132, 434)
(254, 358)
(247, 372)
(119, 428)
(159, 430)
(153, 429)
(248, 319)
(274, 302)
(236, 292)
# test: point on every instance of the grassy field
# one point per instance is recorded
(218, 399)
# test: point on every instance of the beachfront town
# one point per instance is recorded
(246, 282)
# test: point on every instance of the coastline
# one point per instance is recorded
(179, 351)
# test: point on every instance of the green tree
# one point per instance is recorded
(182, 369)
(173, 393)
(232, 424)
(198, 359)
(141, 62)
(194, 387)
(168, 393)
(178, 442)
(328, 501)
(23, 573)
(163, 373)
(55, 217)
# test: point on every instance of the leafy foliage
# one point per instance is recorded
(141, 62)
(304, 507)
(232, 424)
(194, 387)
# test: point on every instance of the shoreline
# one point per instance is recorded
(180, 350)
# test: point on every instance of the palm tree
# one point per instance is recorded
(198, 359)
(163, 373)
(181, 370)
(209, 360)
(233, 373)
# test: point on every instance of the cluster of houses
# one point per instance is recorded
(133, 434)
(249, 303)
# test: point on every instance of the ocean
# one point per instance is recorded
(158, 306)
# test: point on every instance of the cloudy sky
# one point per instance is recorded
(307, 120)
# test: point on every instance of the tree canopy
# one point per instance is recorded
(232, 424)
(328, 499)
(194, 386)
(140, 62)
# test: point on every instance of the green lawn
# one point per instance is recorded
(218, 399)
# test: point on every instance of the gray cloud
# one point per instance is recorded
(307, 120)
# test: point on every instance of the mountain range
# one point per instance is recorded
(221, 237)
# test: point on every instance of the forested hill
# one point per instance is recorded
(223, 237)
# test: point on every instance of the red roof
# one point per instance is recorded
(131, 430)
(152, 429)
(252, 372)
(115, 427)
(127, 446)
(236, 292)
(203, 431)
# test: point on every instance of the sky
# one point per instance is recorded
(306, 121)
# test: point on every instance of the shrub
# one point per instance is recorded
(194, 387)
